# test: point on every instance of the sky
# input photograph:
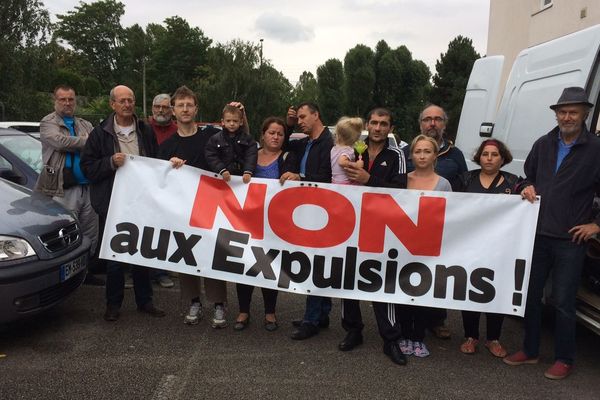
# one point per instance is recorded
(299, 36)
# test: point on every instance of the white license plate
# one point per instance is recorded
(72, 268)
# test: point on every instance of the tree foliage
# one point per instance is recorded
(359, 71)
(450, 81)
(94, 30)
(306, 89)
(233, 73)
(24, 58)
(91, 51)
(175, 52)
(330, 90)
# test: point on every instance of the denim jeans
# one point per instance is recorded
(565, 260)
(115, 284)
(317, 308)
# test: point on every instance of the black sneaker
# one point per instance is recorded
(305, 331)
(392, 350)
(111, 314)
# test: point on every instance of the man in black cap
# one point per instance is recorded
(562, 167)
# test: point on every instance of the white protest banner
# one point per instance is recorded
(450, 250)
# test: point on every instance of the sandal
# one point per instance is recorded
(495, 348)
(271, 325)
(470, 346)
(241, 325)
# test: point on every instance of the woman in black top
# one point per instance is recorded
(491, 156)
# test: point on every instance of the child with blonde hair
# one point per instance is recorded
(347, 132)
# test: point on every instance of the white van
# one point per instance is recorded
(538, 77)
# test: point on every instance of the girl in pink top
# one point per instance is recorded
(347, 132)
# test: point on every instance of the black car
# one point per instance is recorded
(20, 157)
(43, 254)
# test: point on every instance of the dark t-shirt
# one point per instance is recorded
(475, 186)
(189, 148)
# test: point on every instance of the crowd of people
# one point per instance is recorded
(81, 160)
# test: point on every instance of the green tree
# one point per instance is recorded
(174, 54)
(94, 30)
(402, 83)
(234, 73)
(24, 59)
(359, 79)
(381, 49)
(330, 89)
(450, 81)
(306, 89)
(24, 22)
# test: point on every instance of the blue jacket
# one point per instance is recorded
(567, 196)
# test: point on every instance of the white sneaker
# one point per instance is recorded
(165, 281)
(194, 315)
(128, 282)
(420, 350)
(219, 320)
(406, 347)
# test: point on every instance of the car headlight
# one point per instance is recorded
(13, 248)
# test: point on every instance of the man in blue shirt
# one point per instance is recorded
(63, 136)
(562, 167)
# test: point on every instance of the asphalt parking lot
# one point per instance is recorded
(72, 353)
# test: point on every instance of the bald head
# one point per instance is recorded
(122, 101)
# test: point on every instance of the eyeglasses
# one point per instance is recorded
(428, 120)
(125, 101)
(184, 106)
(161, 108)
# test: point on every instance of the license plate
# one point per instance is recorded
(72, 268)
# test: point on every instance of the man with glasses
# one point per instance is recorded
(187, 146)
(451, 161)
(162, 121)
(63, 136)
(120, 134)
(164, 127)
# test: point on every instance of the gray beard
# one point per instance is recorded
(162, 120)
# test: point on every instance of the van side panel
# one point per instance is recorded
(479, 105)
(536, 81)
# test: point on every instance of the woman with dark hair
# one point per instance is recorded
(272, 163)
(491, 155)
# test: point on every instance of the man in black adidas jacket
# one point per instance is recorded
(383, 167)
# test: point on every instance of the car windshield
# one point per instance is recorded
(26, 148)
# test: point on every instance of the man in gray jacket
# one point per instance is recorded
(63, 136)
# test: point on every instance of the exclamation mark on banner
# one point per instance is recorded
(519, 276)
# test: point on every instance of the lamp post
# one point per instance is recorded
(261, 52)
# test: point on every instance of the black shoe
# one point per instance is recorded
(323, 322)
(93, 280)
(112, 313)
(149, 308)
(392, 350)
(352, 339)
(305, 331)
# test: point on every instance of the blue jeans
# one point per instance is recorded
(115, 284)
(317, 308)
(565, 260)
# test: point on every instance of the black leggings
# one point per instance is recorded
(493, 324)
(244, 294)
